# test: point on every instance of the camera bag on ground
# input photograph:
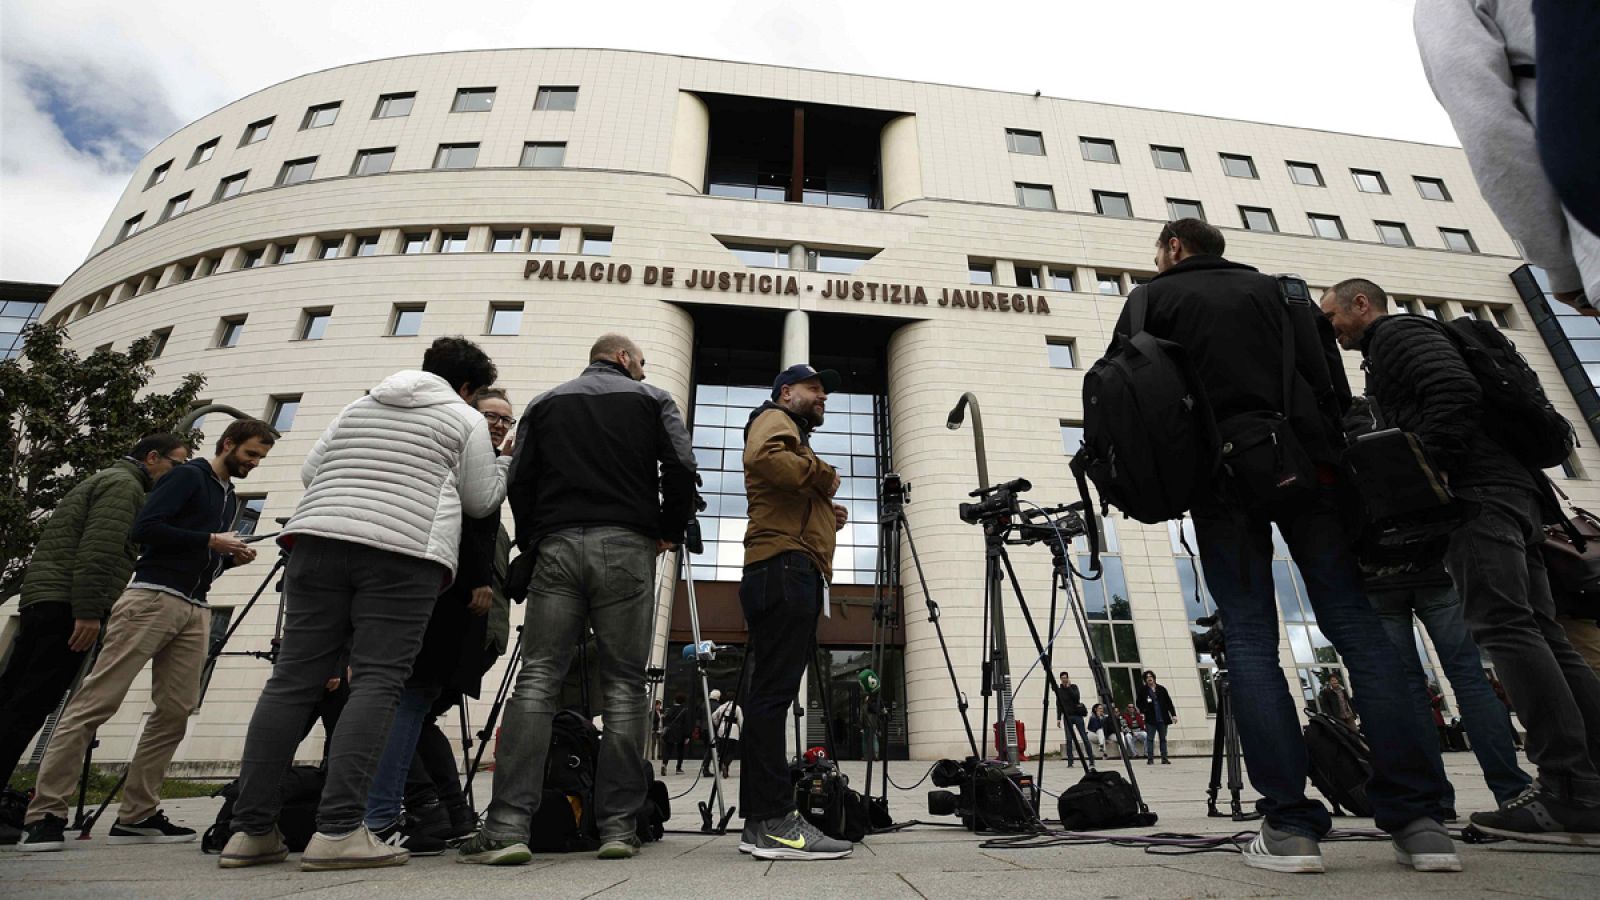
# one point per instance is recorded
(1102, 799)
(651, 822)
(301, 790)
(823, 795)
(1341, 764)
(1149, 444)
(1516, 412)
(1265, 467)
(565, 821)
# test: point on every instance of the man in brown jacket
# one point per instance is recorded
(788, 561)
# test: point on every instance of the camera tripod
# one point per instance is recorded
(1225, 747)
(704, 653)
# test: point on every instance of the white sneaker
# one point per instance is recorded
(356, 850)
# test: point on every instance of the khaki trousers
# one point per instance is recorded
(145, 626)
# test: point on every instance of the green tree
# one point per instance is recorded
(64, 417)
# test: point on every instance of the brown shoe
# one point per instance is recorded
(356, 850)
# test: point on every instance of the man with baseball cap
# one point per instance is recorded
(788, 561)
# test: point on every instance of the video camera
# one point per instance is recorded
(1211, 641)
(994, 796)
(995, 502)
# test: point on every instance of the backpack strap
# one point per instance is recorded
(1288, 360)
(1138, 307)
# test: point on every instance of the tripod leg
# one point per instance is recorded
(466, 748)
(1219, 745)
(485, 735)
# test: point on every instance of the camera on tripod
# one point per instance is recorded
(1212, 640)
(993, 796)
(995, 502)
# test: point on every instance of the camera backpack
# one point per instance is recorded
(1102, 799)
(1341, 764)
(824, 797)
(1516, 414)
(301, 792)
(565, 820)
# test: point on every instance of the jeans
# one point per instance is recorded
(782, 599)
(585, 577)
(386, 797)
(1408, 780)
(1498, 569)
(1074, 726)
(1154, 729)
(1484, 716)
(338, 594)
(37, 676)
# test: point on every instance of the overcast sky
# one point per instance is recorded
(89, 86)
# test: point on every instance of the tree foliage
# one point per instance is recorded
(64, 417)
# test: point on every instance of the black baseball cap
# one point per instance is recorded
(801, 372)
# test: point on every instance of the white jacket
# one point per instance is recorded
(396, 469)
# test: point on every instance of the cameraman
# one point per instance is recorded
(1421, 384)
(1230, 320)
(787, 563)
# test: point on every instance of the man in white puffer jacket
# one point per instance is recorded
(374, 542)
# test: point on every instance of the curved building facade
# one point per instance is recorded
(303, 242)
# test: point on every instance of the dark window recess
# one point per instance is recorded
(774, 150)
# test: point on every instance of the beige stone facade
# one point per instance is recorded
(635, 152)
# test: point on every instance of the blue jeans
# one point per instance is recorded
(1408, 780)
(1152, 730)
(1484, 716)
(1073, 725)
(386, 796)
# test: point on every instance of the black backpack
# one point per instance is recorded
(1149, 442)
(824, 796)
(1341, 764)
(565, 821)
(1517, 415)
(301, 790)
(1102, 799)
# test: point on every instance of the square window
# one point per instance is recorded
(158, 175)
(394, 106)
(373, 162)
(230, 331)
(328, 247)
(1030, 143)
(232, 186)
(456, 156)
(176, 205)
(254, 259)
(204, 152)
(314, 324)
(281, 412)
(407, 321)
(1071, 437)
(184, 273)
(556, 98)
(1036, 196)
(160, 337)
(1110, 203)
(256, 132)
(1305, 173)
(545, 242)
(206, 266)
(286, 255)
(1256, 218)
(297, 170)
(1502, 318)
(539, 155)
(506, 242)
(1098, 150)
(250, 509)
(453, 242)
(505, 320)
(131, 227)
(1063, 353)
(1395, 234)
(1236, 166)
(1170, 158)
(1326, 226)
(1028, 276)
(1062, 280)
(473, 100)
(366, 245)
(1432, 188)
(1185, 209)
(415, 242)
(1458, 239)
(980, 272)
(1108, 283)
(596, 243)
(1369, 182)
(1434, 311)
(320, 116)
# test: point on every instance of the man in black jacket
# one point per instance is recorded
(1421, 384)
(602, 481)
(1155, 704)
(1230, 320)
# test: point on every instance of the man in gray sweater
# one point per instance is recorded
(1478, 56)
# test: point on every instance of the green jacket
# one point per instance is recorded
(86, 555)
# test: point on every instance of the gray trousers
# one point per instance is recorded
(590, 577)
(338, 594)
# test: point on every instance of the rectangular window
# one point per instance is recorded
(1062, 279)
(407, 321)
(1036, 196)
(320, 116)
(254, 259)
(980, 272)
(1185, 209)
(1170, 158)
(1098, 149)
(1431, 188)
(1071, 437)
(286, 255)
(1326, 226)
(545, 242)
(131, 227)
(1256, 218)
(473, 100)
(1395, 234)
(394, 106)
(1434, 311)
(314, 323)
(506, 242)
(453, 242)
(505, 319)
(328, 247)
(1030, 143)
(176, 205)
(1502, 318)
(1236, 166)
(366, 245)
(596, 243)
(185, 273)
(373, 162)
(1063, 352)
(229, 331)
(456, 156)
(838, 262)
(206, 266)
(256, 132)
(1305, 173)
(160, 336)
(204, 152)
(542, 155)
(556, 98)
(415, 242)
(158, 175)
(1110, 203)
(1108, 283)
(297, 170)
(250, 509)
(1459, 239)
(232, 186)
(281, 411)
(760, 257)
(1027, 276)
(1369, 182)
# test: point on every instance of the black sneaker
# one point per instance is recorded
(404, 834)
(9, 835)
(747, 837)
(463, 823)
(47, 835)
(792, 837)
(1541, 817)
(157, 829)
